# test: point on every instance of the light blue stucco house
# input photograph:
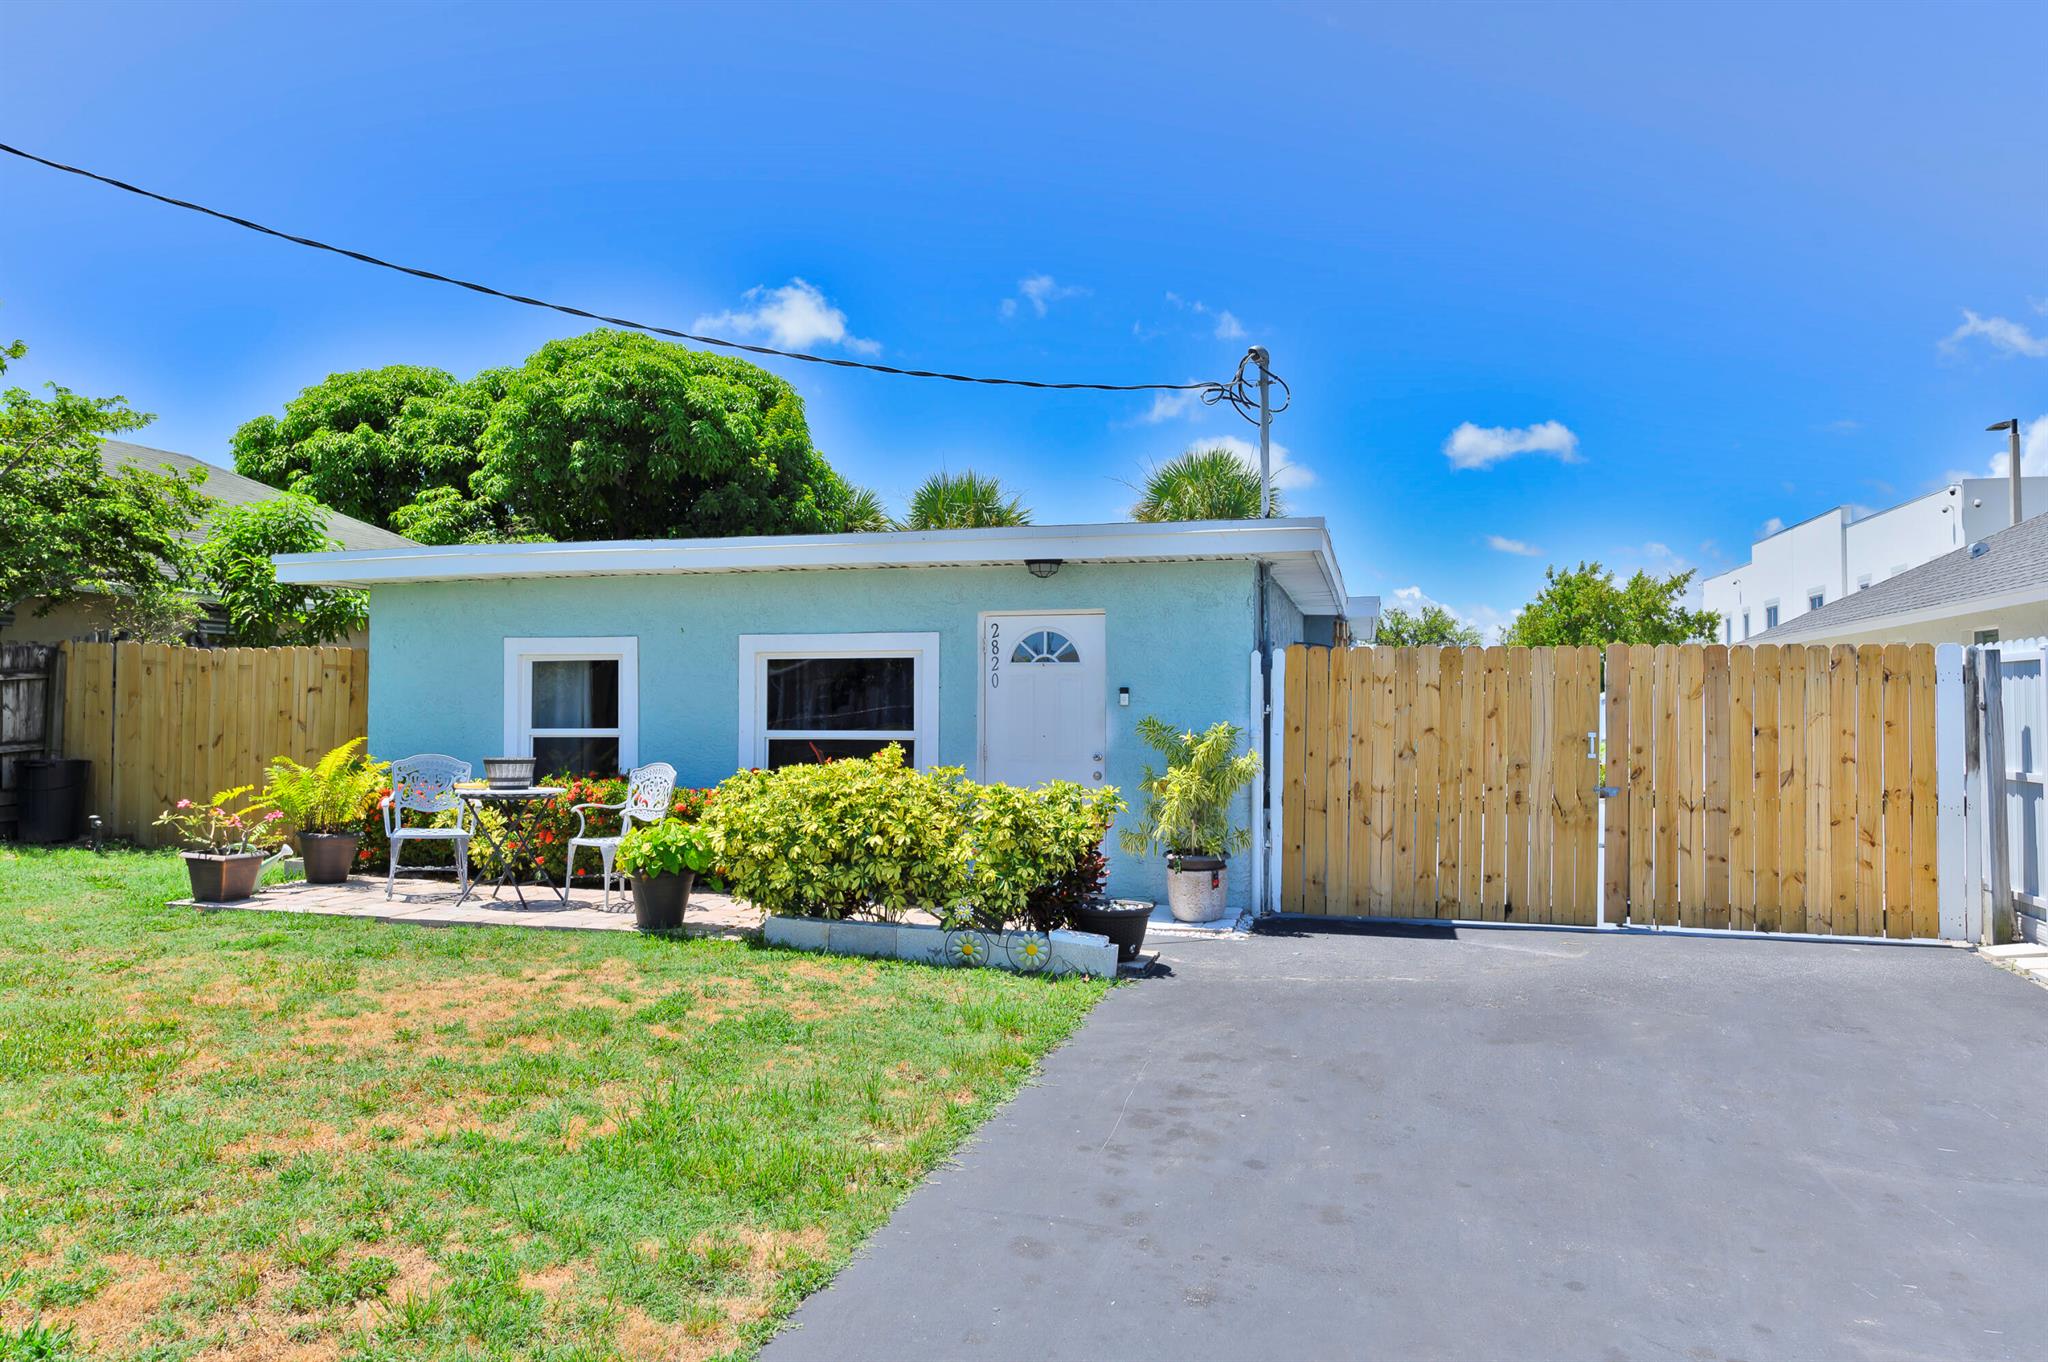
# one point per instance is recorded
(1021, 654)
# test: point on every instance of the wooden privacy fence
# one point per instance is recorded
(163, 723)
(1765, 788)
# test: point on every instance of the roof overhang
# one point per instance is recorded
(1826, 632)
(1299, 551)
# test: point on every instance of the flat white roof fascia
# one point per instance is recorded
(1304, 562)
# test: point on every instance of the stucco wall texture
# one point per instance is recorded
(1179, 635)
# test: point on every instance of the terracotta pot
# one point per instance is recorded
(223, 879)
(659, 900)
(329, 856)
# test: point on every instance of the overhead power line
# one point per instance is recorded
(1234, 392)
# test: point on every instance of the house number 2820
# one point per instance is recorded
(995, 654)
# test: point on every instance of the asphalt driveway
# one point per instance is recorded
(1498, 1144)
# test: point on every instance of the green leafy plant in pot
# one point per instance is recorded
(1187, 813)
(324, 805)
(663, 860)
(229, 837)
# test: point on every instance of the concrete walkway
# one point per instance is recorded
(1494, 1144)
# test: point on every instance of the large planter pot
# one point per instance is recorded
(1121, 920)
(659, 900)
(223, 879)
(1195, 887)
(329, 856)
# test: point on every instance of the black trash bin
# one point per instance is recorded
(52, 794)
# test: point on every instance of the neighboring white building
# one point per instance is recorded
(1836, 553)
(1990, 589)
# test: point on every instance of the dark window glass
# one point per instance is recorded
(577, 756)
(800, 751)
(580, 694)
(842, 693)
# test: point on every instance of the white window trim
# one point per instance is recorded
(757, 650)
(519, 652)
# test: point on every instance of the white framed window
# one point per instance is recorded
(1863, 582)
(1816, 598)
(1771, 615)
(1987, 636)
(814, 697)
(573, 704)
(1745, 626)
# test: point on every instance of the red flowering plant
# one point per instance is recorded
(554, 823)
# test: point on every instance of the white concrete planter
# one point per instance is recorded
(1023, 952)
(1199, 890)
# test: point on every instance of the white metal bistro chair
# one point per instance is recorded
(426, 784)
(649, 791)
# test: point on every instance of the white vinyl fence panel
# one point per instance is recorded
(2024, 680)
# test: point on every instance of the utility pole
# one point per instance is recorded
(2012, 472)
(1259, 357)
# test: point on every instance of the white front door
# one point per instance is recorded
(1044, 703)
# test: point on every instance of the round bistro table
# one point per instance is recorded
(519, 809)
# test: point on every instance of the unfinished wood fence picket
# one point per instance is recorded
(1767, 789)
(163, 723)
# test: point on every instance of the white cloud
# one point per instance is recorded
(1486, 619)
(795, 316)
(1171, 407)
(1770, 527)
(1847, 425)
(2004, 335)
(1227, 327)
(1502, 544)
(1041, 291)
(1471, 446)
(2033, 451)
(1288, 476)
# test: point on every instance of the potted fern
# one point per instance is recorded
(1187, 813)
(325, 804)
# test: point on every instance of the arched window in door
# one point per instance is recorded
(1046, 645)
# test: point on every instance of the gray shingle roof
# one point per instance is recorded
(232, 489)
(2013, 560)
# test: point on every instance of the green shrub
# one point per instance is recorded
(1187, 806)
(669, 847)
(871, 836)
(1025, 846)
(334, 795)
(860, 836)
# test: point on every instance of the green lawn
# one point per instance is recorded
(242, 1136)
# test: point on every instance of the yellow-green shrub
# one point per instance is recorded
(870, 836)
(855, 837)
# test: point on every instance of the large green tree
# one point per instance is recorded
(616, 435)
(370, 442)
(234, 566)
(71, 527)
(609, 435)
(1204, 484)
(1584, 605)
(1432, 626)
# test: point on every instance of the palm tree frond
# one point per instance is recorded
(1204, 484)
(962, 501)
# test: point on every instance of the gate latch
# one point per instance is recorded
(1607, 791)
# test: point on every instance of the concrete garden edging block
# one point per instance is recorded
(1023, 952)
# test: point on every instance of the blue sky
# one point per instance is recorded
(1702, 267)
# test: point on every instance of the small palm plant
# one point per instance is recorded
(1203, 484)
(333, 796)
(1187, 806)
(962, 501)
(864, 513)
